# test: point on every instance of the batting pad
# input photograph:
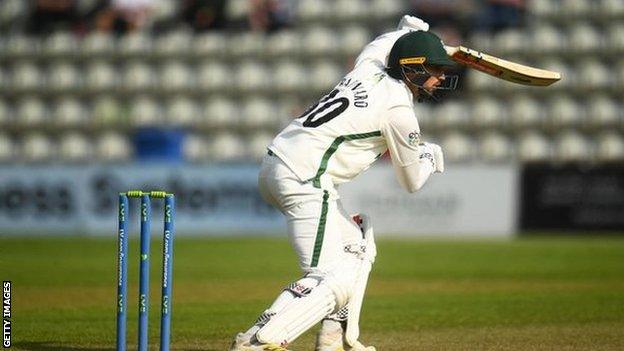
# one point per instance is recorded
(298, 316)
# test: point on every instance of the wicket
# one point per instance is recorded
(122, 268)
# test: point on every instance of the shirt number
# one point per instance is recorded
(319, 114)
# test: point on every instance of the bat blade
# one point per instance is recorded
(502, 69)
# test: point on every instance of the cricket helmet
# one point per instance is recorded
(417, 47)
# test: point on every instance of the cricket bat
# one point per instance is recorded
(502, 69)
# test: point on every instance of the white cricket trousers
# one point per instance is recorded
(318, 226)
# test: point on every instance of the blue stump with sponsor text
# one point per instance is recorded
(167, 270)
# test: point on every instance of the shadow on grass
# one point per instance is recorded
(46, 346)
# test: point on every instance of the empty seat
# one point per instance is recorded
(6, 114)
(312, 10)
(284, 42)
(37, 147)
(495, 147)
(107, 111)
(220, 111)
(138, 76)
(176, 43)
(70, 112)
(195, 148)
(325, 75)
(603, 112)
(612, 8)
(237, 9)
(214, 76)
(571, 8)
(386, 8)
(616, 36)
(565, 112)
(252, 75)
(101, 76)
(289, 76)
(547, 38)
(585, 37)
(31, 111)
(320, 40)
(135, 44)
(349, 10)
(182, 111)
(144, 111)
(451, 115)
(19, 45)
(60, 44)
(248, 44)
(512, 40)
(571, 146)
(175, 76)
(592, 74)
(11, 10)
(532, 146)
(227, 146)
(163, 10)
(526, 112)
(98, 44)
(542, 8)
(258, 112)
(113, 147)
(258, 145)
(210, 44)
(26, 76)
(610, 147)
(458, 147)
(353, 39)
(75, 147)
(488, 113)
(64, 76)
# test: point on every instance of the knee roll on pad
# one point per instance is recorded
(303, 286)
(298, 316)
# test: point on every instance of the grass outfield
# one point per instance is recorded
(527, 294)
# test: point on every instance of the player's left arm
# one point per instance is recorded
(413, 161)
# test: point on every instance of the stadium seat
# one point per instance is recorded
(257, 113)
(569, 75)
(32, 111)
(252, 76)
(320, 40)
(97, 44)
(285, 42)
(312, 10)
(195, 148)
(175, 43)
(64, 76)
(182, 111)
(70, 112)
(526, 112)
(324, 75)
(107, 111)
(584, 37)
(612, 8)
(593, 75)
(547, 38)
(220, 112)
(353, 39)
(289, 75)
(12, 10)
(37, 147)
(512, 41)
(451, 115)
(610, 147)
(214, 76)
(26, 76)
(60, 44)
(163, 10)
(212, 44)
(258, 145)
(7, 148)
(477, 81)
(487, 112)
(458, 147)
(542, 8)
(248, 44)
(138, 76)
(616, 37)
(135, 44)
(100, 76)
(574, 8)
(532, 147)
(237, 10)
(495, 147)
(349, 10)
(176, 76)
(75, 147)
(19, 45)
(563, 111)
(570, 146)
(6, 114)
(384, 9)
(144, 111)
(112, 146)
(286, 109)
(227, 146)
(603, 112)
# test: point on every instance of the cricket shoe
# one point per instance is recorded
(330, 338)
(242, 342)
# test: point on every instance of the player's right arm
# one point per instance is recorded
(413, 160)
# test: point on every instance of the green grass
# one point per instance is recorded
(526, 294)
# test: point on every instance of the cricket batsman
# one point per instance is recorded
(370, 111)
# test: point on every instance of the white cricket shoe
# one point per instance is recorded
(242, 342)
(330, 338)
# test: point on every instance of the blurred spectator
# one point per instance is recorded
(50, 15)
(124, 16)
(270, 15)
(204, 15)
(500, 14)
